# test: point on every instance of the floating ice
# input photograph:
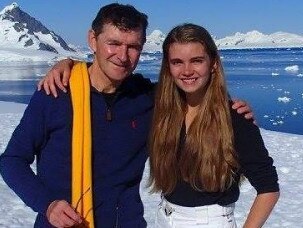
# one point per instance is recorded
(284, 99)
(300, 75)
(294, 113)
(274, 74)
(147, 58)
(292, 69)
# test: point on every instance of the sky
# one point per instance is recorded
(286, 150)
(72, 18)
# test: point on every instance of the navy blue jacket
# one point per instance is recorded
(119, 153)
(255, 164)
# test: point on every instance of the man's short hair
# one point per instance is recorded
(124, 17)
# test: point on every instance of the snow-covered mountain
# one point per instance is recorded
(22, 37)
(154, 42)
(255, 39)
(252, 39)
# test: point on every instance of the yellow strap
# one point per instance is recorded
(82, 196)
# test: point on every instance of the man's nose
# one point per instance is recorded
(123, 53)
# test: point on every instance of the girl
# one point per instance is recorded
(199, 146)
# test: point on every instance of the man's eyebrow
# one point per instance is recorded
(113, 41)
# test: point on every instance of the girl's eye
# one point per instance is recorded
(175, 62)
(197, 60)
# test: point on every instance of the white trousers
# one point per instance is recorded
(213, 216)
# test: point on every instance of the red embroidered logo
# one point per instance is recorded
(134, 124)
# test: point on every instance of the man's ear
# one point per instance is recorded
(92, 40)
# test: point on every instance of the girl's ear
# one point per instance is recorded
(214, 66)
(92, 40)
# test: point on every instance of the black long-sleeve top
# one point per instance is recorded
(255, 164)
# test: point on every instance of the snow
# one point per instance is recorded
(10, 44)
(9, 54)
(292, 69)
(9, 8)
(12, 41)
(251, 39)
(11, 108)
(22, 45)
(156, 34)
(154, 42)
(286, 150)
(284, 99)
(294, 113)
(256, 39)
(145, 57)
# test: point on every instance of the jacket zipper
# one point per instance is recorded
(109, 115)
(117, 217)
(109, 106)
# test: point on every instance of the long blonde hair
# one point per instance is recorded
(208, 159)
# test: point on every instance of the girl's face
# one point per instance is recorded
(190, 67)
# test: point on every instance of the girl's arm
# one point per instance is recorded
(261, 209)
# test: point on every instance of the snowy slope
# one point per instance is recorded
(255, 39)
(286, 149)
(154, 42)
(23, 38)
(252, 39)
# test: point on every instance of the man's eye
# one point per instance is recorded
(175, 63)
(135, 47)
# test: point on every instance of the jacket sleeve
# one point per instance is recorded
(255, 162)
(24, 145)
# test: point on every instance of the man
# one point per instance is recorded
(121, 106)
(120, 112)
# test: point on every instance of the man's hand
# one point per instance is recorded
(58, 75)
(61, 214)
(243, 108)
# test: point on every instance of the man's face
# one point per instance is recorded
(117, 51)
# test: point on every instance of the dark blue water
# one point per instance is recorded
(259, 76)
(18, 80)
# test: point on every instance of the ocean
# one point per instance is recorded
(270, 80)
